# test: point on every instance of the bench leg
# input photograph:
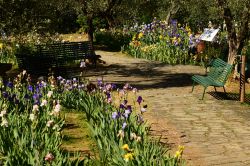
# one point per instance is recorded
(224, 89)
(192, 87)
(203, 93)
(215, 89)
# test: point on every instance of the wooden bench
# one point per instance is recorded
(55, 56)
(217, 76)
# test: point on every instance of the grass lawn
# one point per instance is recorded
(76, 134)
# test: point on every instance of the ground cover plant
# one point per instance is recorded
(31, 124)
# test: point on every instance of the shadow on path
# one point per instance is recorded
(228, 96)
(142, 75)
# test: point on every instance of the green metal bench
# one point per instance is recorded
(217, 76)
(55, 56)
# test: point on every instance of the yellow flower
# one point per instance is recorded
(174, 40)
(160, 37)
(1, 45)
(125, 147)
(134, 37)
(181, 148)
(140, 35)
(179, 152)
(128, 156)
(188, 29)
(179, 40)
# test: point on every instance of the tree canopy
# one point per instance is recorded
(22, 16)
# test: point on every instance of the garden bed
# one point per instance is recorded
(32, 120)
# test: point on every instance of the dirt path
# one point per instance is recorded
(214, 132)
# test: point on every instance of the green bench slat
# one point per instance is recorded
(217, 77)
(56, 55)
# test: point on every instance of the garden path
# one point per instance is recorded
(213, 131)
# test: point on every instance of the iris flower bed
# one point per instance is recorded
(161, 42)
(30, 130)
(31, 124)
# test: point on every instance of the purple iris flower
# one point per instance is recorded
(59, 78)
(10, 84)
(127, 113)
(129, 107)
(37, 89)
(5, 94)
(14, 96)
(26, 96)
(124, 125)
(115, 115)
(40, 85)
(108, 95)
(17, 101)
(35, 96)
(113, 86)
(99, 82)
(140, 119)
(125, 102)
(10, 98)
(30, 88)
(139, 99)
(122, 106)
(36, 102)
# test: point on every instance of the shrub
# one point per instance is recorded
(113, 39)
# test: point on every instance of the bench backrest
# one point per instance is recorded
(67, 50)
(219, 70)
(55, 55)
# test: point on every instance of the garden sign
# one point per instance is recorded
(209, 34)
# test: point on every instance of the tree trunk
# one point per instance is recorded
(232, 43)
(235, 40)
(111, 21)
(172, 11)
(90, 28)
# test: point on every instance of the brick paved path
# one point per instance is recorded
(214, 132)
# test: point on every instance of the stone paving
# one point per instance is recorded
(214, 132)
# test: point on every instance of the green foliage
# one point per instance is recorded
(160, 42)
(114, 39)
(98, 23)
(31, 124)
(30, 130)
(121, 135)
(7, 52)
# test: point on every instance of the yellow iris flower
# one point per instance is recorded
(125, 147)
(128, 156)
(134, 37)
(140, 35)
(179, 152)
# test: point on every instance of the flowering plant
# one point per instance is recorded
(115, 117)
(30, 123)
(162, 42)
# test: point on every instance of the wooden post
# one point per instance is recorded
(242, 78)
